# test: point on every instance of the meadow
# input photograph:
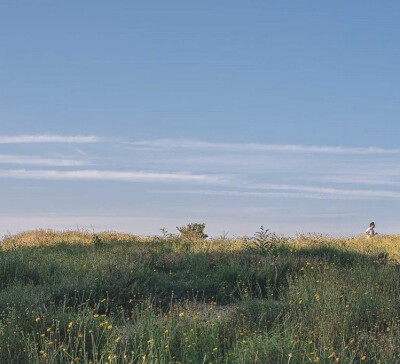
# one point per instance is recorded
(77, 297)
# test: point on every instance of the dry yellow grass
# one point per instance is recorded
(389, 244)
(43, 238)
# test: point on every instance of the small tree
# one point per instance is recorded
(192, 231)
(265, 242)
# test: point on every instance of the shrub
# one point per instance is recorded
(264, 242)
(192, 231)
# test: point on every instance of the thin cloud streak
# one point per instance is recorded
(39, 161)
(285, 191)
(129, 176)
(328, 191)
(239, 193)
(48, 138)
(257, 147)
(380, 180)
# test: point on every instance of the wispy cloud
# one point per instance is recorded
(287, 191)
(364, 179)
(48, 138)
(258, 147)
(329, 192)
(233, 193)
(129, 176)
(39, 161)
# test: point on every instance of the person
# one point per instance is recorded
(370, 232)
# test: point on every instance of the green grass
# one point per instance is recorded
(71, 298)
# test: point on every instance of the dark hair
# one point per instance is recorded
(372, 223)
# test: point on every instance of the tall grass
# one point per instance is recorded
(71, 297)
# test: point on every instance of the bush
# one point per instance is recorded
(192, 231)
(265, 243)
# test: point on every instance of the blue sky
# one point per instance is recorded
(135, 116)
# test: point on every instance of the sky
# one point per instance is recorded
(134, 116)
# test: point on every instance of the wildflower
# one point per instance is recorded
(117, 339)
(331, 356)
(215, 349)
(96, 315)
(363, 357)
(109, 327)
(316, 296)
(388, 329)
(166, 331)
(181, 314)
(37, 319)
(80, 335)
(70, 325)
(42, 353)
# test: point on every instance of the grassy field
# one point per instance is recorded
(75, 297)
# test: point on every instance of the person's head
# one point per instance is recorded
(372, 225)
